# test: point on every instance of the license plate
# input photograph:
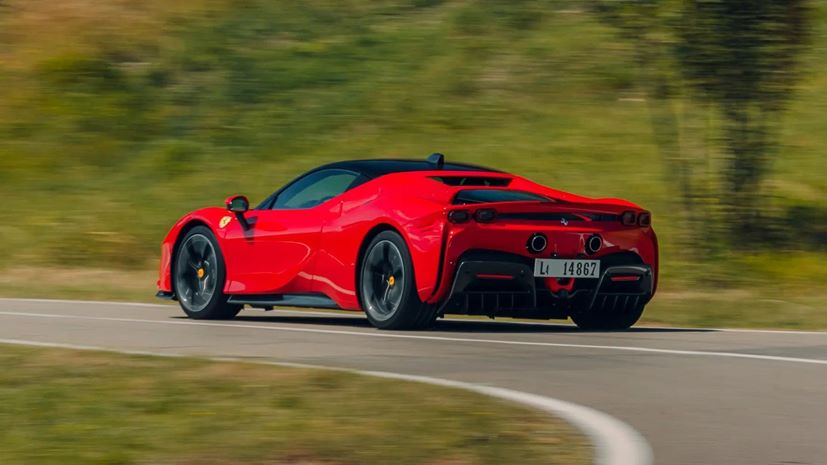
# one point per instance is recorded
(561, 268)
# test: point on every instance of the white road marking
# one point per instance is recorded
(357, 314)
(615, 442)
(390, 335)
(85, 302)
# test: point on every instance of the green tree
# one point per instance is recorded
(742, 58)
(649, 26)
(739, 59)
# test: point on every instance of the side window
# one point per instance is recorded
(315, 188)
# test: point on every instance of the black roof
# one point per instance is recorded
(378, 167)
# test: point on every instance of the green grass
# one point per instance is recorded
(117, 117)
(88, 408)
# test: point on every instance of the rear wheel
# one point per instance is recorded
(602, 320)
(387, 288)
(199, 277)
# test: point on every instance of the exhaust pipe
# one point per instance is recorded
(593, 244)
(537, 243)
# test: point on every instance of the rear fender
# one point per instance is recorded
(426, 238)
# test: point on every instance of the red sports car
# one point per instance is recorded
(408, 241)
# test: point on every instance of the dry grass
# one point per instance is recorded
(79, 283)
(41, 27)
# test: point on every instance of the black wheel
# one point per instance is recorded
(387, 288)
(199, 277)
(606, 321)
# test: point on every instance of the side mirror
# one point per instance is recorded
(237, 204)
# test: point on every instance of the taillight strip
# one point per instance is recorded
(494, 276)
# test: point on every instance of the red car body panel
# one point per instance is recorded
(316, 250)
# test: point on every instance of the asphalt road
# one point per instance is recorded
(698, 396)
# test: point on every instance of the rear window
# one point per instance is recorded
(495, 195)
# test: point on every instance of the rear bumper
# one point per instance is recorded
(509, 289)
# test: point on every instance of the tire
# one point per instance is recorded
(603, 321)
(387, 286)
(199, 274)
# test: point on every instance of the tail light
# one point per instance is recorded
(628, 218)
(485, 215)
(458, 216)
(644, 219)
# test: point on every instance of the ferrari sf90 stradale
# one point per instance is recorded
(409, 241)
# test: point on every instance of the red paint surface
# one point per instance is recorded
(317, 249)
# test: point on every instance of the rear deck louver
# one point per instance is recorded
(472, 181)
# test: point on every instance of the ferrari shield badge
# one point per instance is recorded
(224, 221)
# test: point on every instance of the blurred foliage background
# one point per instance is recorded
(118, 116)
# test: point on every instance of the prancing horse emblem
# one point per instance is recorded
(564, 221)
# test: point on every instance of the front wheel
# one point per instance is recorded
(387, 287)
(199, 277)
